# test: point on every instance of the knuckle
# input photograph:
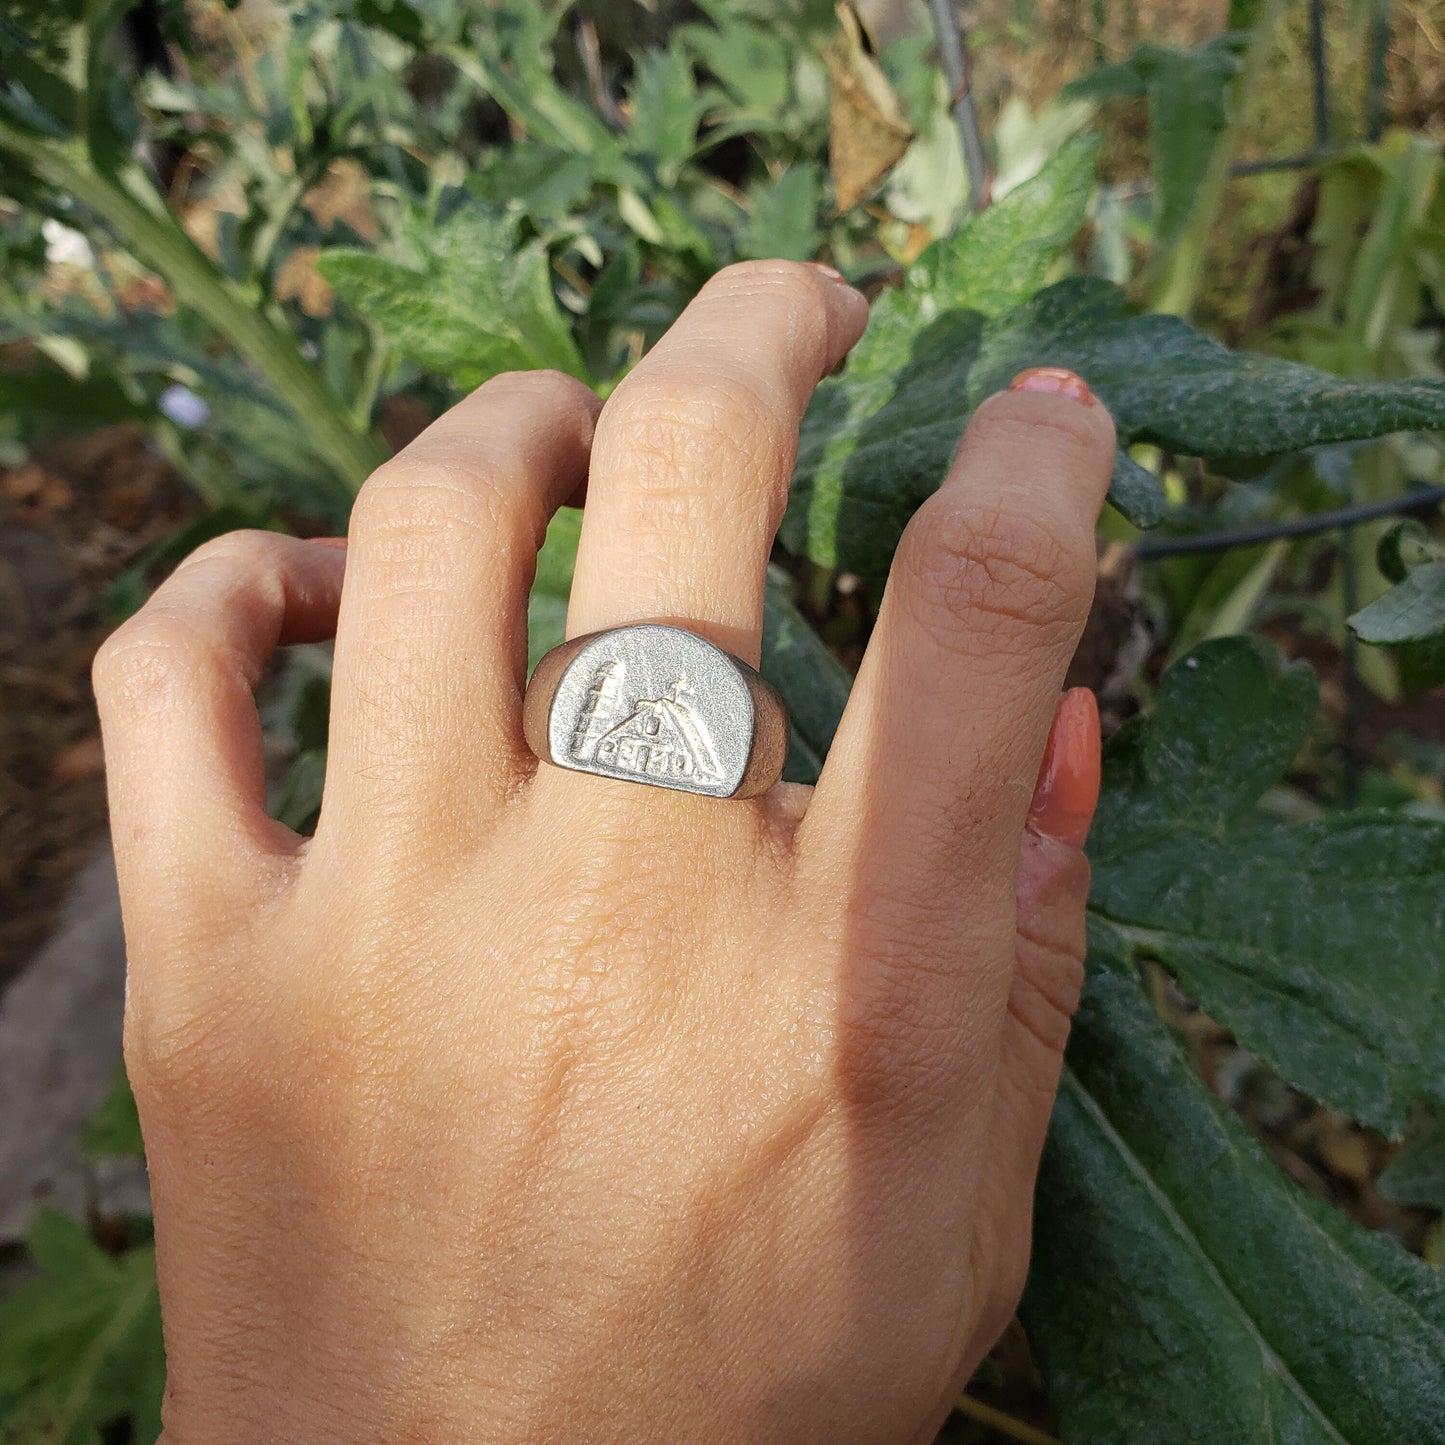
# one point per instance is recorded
(792, 295)
(178, 1060)
(143, 664)
(416, 510)
(970, 562)
(1045, 993)
(249, 550)
(797, 286)
(547, 389)
(676, 428)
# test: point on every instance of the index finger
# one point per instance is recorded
(923, 800)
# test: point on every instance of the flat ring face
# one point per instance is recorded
(654, 704)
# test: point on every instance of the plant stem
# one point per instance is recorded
(1001, 1423)
(953, 51)
(1179, 287)
(156, 239)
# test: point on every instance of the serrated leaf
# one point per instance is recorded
(1317, 944)
(1416, 1175)
(878, 438)
(665, 111)
(81, 1348)
(1188, 94)
(1183, 1290)
(1411, 611)
(783, 214)
(475, 304)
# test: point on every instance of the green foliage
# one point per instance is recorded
(1416, 1175)
(1188, 93)
(1183, 1289)
(474, 306)
(80, 1348)
(878, 438)
(1336, 990)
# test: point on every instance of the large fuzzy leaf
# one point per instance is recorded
(1183, 1290)
(877, 439)
(1317, 944)
(467, 305)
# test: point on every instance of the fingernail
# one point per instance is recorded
(1055, 380)
(1067, 791)
(327, 541)
(831, 272)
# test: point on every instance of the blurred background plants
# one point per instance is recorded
(267, 242)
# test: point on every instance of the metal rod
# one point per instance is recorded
(953, 51)
(1150, 547)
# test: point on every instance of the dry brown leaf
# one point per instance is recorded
(867, 134)
(297, 279)
(343, 194)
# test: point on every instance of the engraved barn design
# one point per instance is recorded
(660, 737)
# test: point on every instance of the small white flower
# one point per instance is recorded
(65, 246)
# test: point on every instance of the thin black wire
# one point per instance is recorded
(1148, 548)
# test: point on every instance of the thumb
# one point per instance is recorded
(1052, 890)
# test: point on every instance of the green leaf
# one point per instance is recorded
(1407, 544)
(1317, 944)
(1188, 94)
(753, 63)
(1183, 1290)
(547, 606)
(1411, 611)
(95, 400)
(474, 305)
(81, 1348)
(783, 214)
(1416, 1175)
(813, 683)
(666, 110)
(878, 438)
(113, 1131)
(1422, 664)
(1005, 253)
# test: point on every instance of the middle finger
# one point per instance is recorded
(694, 451)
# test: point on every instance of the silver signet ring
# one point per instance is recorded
(657, 704)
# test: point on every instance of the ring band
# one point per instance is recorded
(656, 704)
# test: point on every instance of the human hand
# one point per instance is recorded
(523, 1104)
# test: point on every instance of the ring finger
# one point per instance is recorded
(694, 451)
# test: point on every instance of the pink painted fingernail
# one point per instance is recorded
(1055, 380)
(831, 272)
(1067, 791)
